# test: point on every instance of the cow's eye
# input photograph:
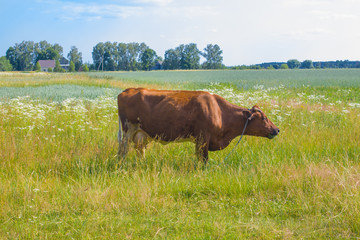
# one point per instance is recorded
(264, 118)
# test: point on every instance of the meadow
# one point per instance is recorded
(60, 178)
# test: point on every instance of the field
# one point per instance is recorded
(60, 179)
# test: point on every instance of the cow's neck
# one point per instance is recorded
(233, 124)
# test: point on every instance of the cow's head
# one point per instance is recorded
(260, 125)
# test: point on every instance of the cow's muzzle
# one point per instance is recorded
(274, 133)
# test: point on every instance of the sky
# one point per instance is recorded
(248, 31)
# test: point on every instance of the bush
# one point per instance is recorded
(58, 68)
(284, 66)
(5, 64)
(37, 67)
(85, 68)
(72, 67)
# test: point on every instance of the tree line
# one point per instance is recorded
(134, 56)
(111, 56)
(24, 56)
(306, 64)
(121, 56)
(114, 56)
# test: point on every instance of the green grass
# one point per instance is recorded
(60, 179)
(57, 93)
(245, 79)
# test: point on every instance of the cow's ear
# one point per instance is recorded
(251, 114)
(255, 109)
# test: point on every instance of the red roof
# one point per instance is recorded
(47, 63)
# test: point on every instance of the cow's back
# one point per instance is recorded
(170, 115)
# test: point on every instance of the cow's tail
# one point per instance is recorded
(120, 133)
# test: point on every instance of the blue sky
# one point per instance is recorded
(248, 32)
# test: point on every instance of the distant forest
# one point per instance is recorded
(317, 64)
(114, 56)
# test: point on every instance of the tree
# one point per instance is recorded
(293, 63)
(110, 55)
(148, 59)
(141, 49)
(37, 67)
(212, 54)
(172, 59)
(105, 56)
(5, 64)
(122, 59)
(307, 64)
(52, 54)
(132, 55)
(21, 56)
(57, 67)
(45, 51)
(182, 57)
(85, 68)
(189, 56)
(40, 51)
(26, 50)
(76, 57)
(58, 48)
(11, 55)
(98, 55)
(72, 67)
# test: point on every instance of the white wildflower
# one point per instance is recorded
(354, 105)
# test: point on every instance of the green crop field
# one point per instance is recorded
(60, 178)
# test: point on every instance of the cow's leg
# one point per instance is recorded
(123, 138)
(141, 139)
(123, 146)
(202, 150)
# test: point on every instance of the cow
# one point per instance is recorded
(206, 119)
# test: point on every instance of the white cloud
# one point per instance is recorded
(92, 11)
(157, 2)
(298, 3)
(183, 12)
(97, 12)
(309, 34)
(329, 15)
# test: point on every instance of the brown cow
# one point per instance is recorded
(207, 119)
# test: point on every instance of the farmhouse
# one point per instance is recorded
(64, 63)
(46, 64)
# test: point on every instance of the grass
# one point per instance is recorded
(60, 179)
(57, 93)
(246, 79)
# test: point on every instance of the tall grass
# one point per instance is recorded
(60, 178)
